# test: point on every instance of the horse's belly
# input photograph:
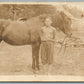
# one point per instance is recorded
(16, 37)
(20, 34)
(16, 41)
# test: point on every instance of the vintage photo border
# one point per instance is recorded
(35, 78)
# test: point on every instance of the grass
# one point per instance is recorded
(16, 60)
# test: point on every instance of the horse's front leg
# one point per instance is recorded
(35, 55)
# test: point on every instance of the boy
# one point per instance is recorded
(47, 42)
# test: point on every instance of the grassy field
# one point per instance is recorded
(16, 60)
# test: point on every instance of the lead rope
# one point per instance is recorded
(62, 45)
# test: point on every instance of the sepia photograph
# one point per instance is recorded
(42, 41)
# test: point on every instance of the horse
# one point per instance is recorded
(19, 33)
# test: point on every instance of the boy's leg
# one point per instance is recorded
(44, 53)
(50, 52)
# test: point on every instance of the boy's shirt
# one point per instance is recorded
(48, 33)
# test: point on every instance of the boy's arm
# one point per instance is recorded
(54, 36)
(41, 35)
(55, 39)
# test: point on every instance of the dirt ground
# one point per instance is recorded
(17, 60)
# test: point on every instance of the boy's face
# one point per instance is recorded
(48, 22)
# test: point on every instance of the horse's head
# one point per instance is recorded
(61, 21)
